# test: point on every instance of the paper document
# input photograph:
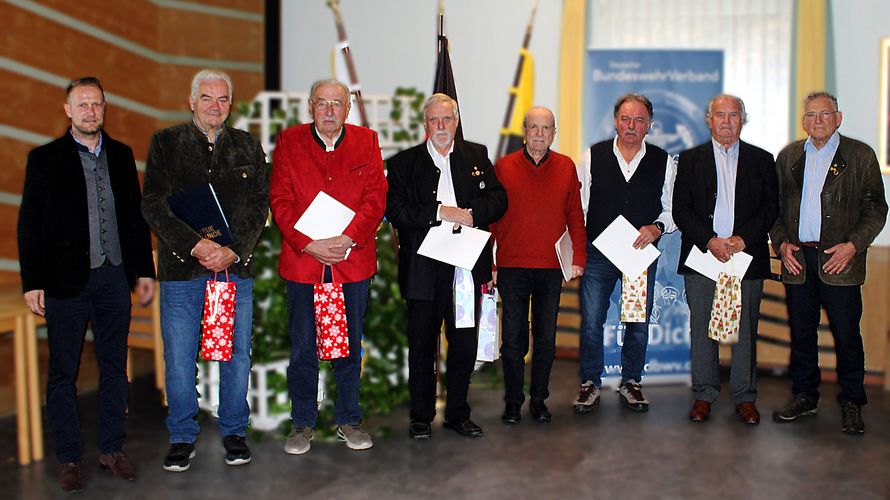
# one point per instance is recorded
(616, 243)
(709, 266)
(566, 254)
(461, 249)
(324, 218)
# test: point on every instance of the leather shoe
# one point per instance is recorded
(700, 411)
(512, 413)
(70, 477)
(464, 427)
(118, 464)
(748, 413)
(539, 411)
(420, 430)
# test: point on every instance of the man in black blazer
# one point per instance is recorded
(725, 202)
(441, 181)
(83, 245)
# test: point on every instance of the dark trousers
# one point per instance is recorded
(424, 324)
(843, 304)
(105, 303)
(517, 286)
(704, 353)
(302, 372)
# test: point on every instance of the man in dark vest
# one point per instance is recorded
(628, 177)
(83, 245)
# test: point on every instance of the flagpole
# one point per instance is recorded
(350, 65)
(511, 102)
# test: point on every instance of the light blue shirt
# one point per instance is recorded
(815, 170)
(727, 167)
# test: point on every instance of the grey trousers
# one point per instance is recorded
(704, 353)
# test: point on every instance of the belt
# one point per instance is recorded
(810, 244)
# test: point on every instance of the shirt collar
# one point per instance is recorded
(434, 153)
(532, 160)
(81, 147)
(641, 153)
(732, 152)
(831, 145)
(323, 144)
(218, 133)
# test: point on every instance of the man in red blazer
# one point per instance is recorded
(343, 161)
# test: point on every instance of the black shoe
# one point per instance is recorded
(178, 457)
(539, 411)
(512, 413)
(237, 452)
(851, 419)
(420, 430)
(464, 427)
(799, 406)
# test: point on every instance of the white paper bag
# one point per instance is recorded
(488, 347)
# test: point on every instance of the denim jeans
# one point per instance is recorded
(105, 302)
(597, 283)
(182, 305)
(302, 372)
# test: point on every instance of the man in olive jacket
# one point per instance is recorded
(180, 158)
(832, 207)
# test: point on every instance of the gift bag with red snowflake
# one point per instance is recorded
(218, 322)
(331, 333)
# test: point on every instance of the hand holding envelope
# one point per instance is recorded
(616, 242)
(324, 221)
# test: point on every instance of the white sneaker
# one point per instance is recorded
(298, 441)
(631, 393)
(355, 437)
(588, 397)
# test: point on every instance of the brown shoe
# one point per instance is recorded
(748, 413)
(700, 411)
(70, 477)
(118, 464)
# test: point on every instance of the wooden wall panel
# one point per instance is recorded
(197, 34)
(141, 17)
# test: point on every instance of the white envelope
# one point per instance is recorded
(324, 218)
(565, 253)
(616, 243)
(709, 266)
(458, 249)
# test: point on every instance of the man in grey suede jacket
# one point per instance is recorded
(831, 207)
(232, 161)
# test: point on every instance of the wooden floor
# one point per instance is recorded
(610, 453)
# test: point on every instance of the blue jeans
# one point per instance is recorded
(182, 305)
(597, 283)
(302, 372)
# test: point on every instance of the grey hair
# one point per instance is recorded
(440, 98)
(325, 83)
(640, 98)
(816, 95)
(728, 96)
(211, 75)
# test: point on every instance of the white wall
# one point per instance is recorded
(858, 28)
(394, 45)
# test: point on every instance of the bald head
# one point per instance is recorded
(539, 128)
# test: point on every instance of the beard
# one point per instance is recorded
(442, 138)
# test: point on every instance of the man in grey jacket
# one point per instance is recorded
(180, 158)
(832, 207)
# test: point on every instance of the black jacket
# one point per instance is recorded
(411, 207)
(179, 158)
(54, 228)
(756, 203)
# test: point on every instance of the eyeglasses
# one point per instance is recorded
(824, 115)
(324, 104)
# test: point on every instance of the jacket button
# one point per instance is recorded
(434, 191)
(710, 216)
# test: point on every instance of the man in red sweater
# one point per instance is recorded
(545, 199)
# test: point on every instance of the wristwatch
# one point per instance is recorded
(660, 226)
